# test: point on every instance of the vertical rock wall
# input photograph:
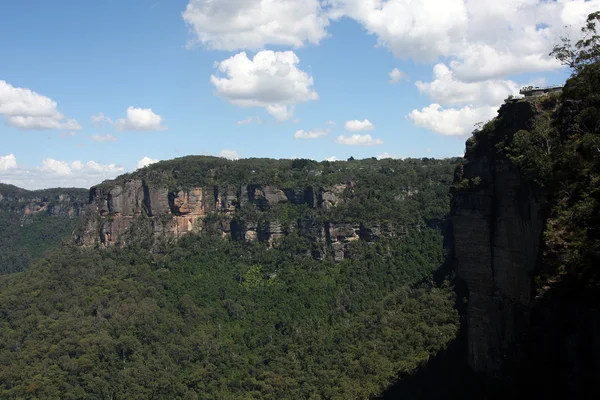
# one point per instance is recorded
(498, 223)
(117, 209)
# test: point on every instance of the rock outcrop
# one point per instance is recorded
(498, 222)
(243, 213)
(53, 202)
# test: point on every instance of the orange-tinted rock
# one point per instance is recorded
(189, 202)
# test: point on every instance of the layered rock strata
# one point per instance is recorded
(116, 208)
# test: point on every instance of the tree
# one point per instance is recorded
(585, 52)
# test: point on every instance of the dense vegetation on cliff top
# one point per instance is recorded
(558, 152)
(378, 186)
(24, 238)
(213, 318)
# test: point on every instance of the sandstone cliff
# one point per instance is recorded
(498, 222)
(331, 207)
(33, 222)
(53, 202)
(525, 211)
(243, 212)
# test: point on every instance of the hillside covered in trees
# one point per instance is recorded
(214, 316)
(33, 222)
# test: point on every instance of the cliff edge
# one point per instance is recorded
(526, 218)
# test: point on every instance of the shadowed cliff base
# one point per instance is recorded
(559, 355)
(446, 375)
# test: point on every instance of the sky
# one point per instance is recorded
(93, 89)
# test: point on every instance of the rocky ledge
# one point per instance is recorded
(119, 210)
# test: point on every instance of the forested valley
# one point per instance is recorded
(205, 317)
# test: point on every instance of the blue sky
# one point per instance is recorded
(65, 61)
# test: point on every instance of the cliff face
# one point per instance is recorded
(498, 223)
(526, 212)
(53, 202)
(240, 212)
(33, 222)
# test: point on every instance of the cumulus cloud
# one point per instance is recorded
(104, 138)
(446, 89)
(8, 162)
(56, 173)
(270, 79)
(451, 121)
(312, 134)
(250, 120)
(422, 30)
(231, 154)
(357, 126)
(144, 162)
(383, 156)
(331, 159)
(396, 76)
(483, 39)
(358, 140)
(27, 110)
(140, 119)
(252, 24)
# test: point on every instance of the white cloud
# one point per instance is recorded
(58, 167)
(422, 30)
(56, 173)
(140, 119)
(280, 112)
(249, 120)
(252, 24)
(26, 109)
(331, 122)
(357, 126)
(451, 122)
(99, 120)
(231, 154)
(312, 134)
(270, 79)
(446, 89)
(144, 162)
(480, 40)
(358, 140)
(7, 162)
(104, 138)
(332, 158)
(38, 123)
(383, 156)
(396, 76)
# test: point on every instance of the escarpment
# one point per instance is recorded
(498, 221)
(331, 208)
(243, 213)
(525, 215)
(53, 202)
(33, 222)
